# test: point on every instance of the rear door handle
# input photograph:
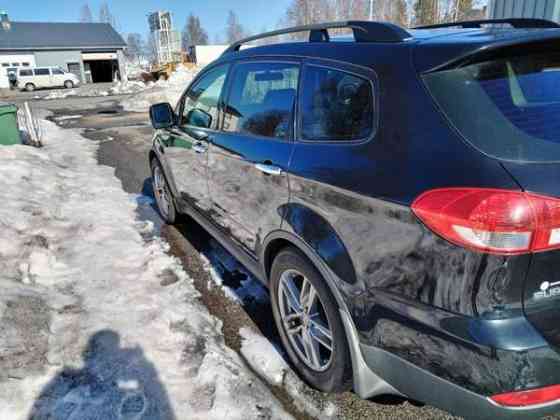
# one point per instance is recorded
(268, 169)
(200, 147)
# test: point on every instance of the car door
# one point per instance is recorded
(186, 144)
(250, 155)
(42, 77)
(58, 77)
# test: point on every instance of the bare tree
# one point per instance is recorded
(426, 12)
(234, 29)
(134, 47)
(193, 33)
(105, 15)
(151, 49)
(305, 12)
(85, 14)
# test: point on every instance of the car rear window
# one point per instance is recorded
(508, 107)
(335, 106)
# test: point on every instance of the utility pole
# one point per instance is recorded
(370, 9)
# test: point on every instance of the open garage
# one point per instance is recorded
(92, 51)
(100, 67)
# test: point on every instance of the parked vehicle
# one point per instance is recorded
(398, 192)
(31, 78)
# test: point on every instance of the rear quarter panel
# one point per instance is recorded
(408, 291)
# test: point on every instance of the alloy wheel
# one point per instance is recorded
(305, 321)
(161, 192)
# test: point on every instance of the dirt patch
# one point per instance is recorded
(24, 328)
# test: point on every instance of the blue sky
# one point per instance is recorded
(255, 15)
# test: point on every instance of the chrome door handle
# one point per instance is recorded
(200, 147)
(268, 169)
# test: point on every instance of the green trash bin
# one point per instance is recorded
(9, 131)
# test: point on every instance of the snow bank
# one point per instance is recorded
(112, 342)
(163, 91)
(263, 357)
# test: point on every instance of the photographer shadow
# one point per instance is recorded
(115, 383)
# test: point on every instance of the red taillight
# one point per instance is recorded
(493, 221)
(528, 398)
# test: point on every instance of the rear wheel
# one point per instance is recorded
(30, 87)
(69, 84)
(310, 326)
(163, 195)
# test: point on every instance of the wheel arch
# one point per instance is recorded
(366, 383)
(167, 173)
(280, 239)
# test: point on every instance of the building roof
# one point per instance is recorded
(46, 35)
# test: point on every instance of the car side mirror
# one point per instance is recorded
(162, 116)
(198, 118)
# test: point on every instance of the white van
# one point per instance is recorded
(31, 78)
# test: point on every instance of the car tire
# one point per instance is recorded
(30, 87)
(334, 375)
(162, 193)
(69, 84)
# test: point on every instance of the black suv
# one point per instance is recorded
(398, 192)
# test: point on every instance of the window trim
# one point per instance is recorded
(265, 60)
(352, 70)
(180, 106)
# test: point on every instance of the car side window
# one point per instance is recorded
(41, 72)
(335, 106)
(25, 73)
(57, 71)
(200, 108)
(261, 100)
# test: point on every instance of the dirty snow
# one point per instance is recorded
(88, 330)
(266, 360)
(162, 91)
(263, 357)
(258, 351)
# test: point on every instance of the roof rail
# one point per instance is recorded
(517, 23)
(364, 31)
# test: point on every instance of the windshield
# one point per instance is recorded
(508, 107)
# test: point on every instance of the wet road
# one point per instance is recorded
(125, 140)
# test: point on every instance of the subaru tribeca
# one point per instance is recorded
(398, 191)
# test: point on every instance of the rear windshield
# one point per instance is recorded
(508, 108)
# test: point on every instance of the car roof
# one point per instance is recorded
(434, 48)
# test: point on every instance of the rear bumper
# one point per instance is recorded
(409, 379)
(377, 372)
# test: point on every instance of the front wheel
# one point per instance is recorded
(162, 192)
(310, 326)
(69, 84)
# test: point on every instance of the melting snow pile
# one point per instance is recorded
(163, 91)
(88, 329)
(265, 359)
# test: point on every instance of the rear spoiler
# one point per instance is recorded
(488, 51)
